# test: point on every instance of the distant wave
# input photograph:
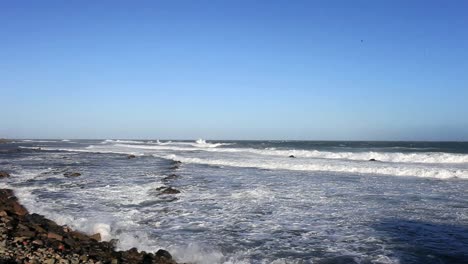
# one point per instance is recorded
(398, 157)
(122, 141)
(39, 141)
(359, 168)
(433, 165)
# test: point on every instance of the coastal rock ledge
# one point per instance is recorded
(31, 238)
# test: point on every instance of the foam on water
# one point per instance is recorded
(425, 157)
(348, 167)
(243, 205)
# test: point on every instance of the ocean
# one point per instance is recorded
(254, 201)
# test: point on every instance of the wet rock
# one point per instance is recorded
(96, 237)
(372, 160)
(4, 141)
(170, 177)
(131, 156)
(291, 156)
(163, 254)
(168, 190)
(4, 174)
(71, 174)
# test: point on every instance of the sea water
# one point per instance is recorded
(250, 202)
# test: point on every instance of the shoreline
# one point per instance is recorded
(32, 238)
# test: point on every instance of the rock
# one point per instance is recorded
(291, 156)
(4, 141)
(169, 190)
(372, 160)
(49, 261)
(170, 177)
(26, 233)
(164, 254)
(69, 242)
(71, 174)
(54, 236)
(3, 213)
(131, 156)
(96, 237)
(38, 242)
(19, 209)
(4, 174)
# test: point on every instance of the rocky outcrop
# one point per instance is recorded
(170, 177)
(167, 190)
(372, 160)
(71, 174)
(31, 238)
(4, 141)
(292, 156)
(4, 174)
(131, 156)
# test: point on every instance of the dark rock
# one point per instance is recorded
(163, 254)
(169, 190)
(131, 156)
(71, 174)
(291, 156)
(4, 141)
(4, 174)
(372, 160)
(170, 177)
(25, 233)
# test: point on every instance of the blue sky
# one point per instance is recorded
(347, 70)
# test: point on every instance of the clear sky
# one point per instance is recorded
(347, 70)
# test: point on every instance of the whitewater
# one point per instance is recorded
(254, 201)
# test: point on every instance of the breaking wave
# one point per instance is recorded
(359, 168)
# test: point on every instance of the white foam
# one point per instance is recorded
(398, 157)
(335, 162)
(348, 167)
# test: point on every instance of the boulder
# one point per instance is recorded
(372, 160)
(170, 177)
(163, 254)
(291, 156)
(4, 174)
(131, 156)
(71, 174)
(169, 190)
(55, 236)
(96, 237)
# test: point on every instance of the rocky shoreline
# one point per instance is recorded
(33, 239)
